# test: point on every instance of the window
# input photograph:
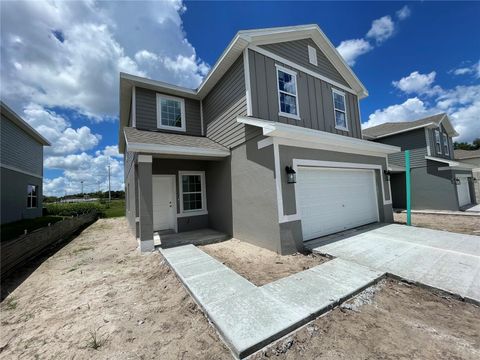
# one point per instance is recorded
(445, 143)
(438, 146)
(312, 55)
(340, 109)
(192, 191)
(170, 113)
(32, 196)
(287, 93)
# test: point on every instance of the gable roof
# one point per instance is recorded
(467, 154)
(22, 124)
(239, 43)
(393, 128)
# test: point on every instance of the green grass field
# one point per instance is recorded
(115, 209)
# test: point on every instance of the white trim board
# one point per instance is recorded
(248, 87)
(203, 189)
(176, 150)
(14, 168)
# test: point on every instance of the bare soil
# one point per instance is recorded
(99, 292)
(99, 286)
(454, 223)
(392, 320)
(260, 266)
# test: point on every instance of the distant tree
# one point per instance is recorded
(467, 146)
(476, 143)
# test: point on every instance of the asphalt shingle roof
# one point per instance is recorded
(134, 135)
(391, 127)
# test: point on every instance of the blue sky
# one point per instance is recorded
(61, 72)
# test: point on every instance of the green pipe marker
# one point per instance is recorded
(407, 186)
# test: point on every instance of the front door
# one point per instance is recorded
(164, 205)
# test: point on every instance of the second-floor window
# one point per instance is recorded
(287, 93)
(170, 113)
(445, 144)
(438, 146)
(340, 109)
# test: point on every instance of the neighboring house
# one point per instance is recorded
(21, 160)
(472, 157)
(438, 181)
(278, 103)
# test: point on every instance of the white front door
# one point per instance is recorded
(332, 200)
(463, 191)
(164, 204)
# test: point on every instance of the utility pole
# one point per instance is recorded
(109, 195)
(81, 182)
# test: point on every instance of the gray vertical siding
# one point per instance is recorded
(441, 153)
(223, 104)
(20, 150)
(146, 113)
(14, 196)
(315, 98)
(297, 51)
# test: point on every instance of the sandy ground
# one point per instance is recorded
(258, 265)
(392, 320)
(460, 224)
(99, 285)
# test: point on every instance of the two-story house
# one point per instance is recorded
(21, 161)
(438, 181)
(268, 148)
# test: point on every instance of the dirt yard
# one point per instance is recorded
(98, 298)
(454, 223)
(258, 265)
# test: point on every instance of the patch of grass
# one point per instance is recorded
(95, 341)
(11, 303)
(116, 208)
(15, 229)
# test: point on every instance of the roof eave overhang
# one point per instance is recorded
(451, 164)
(176, 150)
(308, 136)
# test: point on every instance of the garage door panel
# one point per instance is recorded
(332, 200)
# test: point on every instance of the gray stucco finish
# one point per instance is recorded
(145, 203)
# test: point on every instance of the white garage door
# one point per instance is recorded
(332, 200)
(463, 192)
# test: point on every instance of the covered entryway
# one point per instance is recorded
(463, 191)
(164, 204)
(332, 200)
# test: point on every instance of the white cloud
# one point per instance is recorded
(469, 70)
(381, 29)
(403, 13)
(65, 139)
(351, 49)
(71, 53)
(416, 83)
(461, 103)
(91, 169)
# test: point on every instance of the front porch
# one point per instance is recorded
(205, 236)
(182, 190)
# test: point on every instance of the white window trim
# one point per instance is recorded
(312, 55)
(341, 93)
(159, 113)
(201, 211)
(294, 74)
(438, 144)
(446, 146)
(32, 196)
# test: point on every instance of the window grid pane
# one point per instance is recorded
(171, 113)
(340, 120)
(287, 92)
(192, 192)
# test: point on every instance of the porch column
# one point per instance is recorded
(145, 202)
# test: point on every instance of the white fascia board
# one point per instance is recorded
(452, 132)
(176, 150)
(158, 85)
(452, 165)
(303, 136)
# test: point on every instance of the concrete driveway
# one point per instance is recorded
(440, 259)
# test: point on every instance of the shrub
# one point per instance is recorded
(74, 209)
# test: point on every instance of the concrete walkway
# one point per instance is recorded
(472, 211)
(439, 259)
(249, 317)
